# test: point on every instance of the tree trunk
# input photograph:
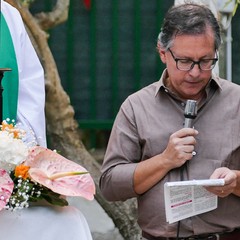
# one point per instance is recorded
(62, 129)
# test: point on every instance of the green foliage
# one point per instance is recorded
(26, 191)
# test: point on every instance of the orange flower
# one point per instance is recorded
(10, 128)
(22, 170)
(6, 126)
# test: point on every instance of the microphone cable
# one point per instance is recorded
(190, 113)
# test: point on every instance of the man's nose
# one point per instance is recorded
(196, 70)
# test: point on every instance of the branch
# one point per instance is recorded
(48, 20)
(58, 15)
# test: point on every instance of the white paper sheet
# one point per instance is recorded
(184, 199)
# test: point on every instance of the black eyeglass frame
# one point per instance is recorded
(194, 62)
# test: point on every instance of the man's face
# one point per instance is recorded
(189, 84)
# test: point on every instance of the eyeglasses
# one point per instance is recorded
(188, 64)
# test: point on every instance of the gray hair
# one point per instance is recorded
(190, 19)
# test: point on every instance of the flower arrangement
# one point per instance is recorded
(30, 174)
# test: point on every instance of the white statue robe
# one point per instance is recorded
(31, 94)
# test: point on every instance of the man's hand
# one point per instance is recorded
(230, 178)
(179, 150)
(180, 147)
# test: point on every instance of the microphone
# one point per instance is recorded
(190, 113)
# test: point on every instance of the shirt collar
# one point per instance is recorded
(160, 83)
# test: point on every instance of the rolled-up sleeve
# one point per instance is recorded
(121, 158)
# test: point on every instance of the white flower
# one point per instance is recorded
(12, 151)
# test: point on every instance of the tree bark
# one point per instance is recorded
(62, 128)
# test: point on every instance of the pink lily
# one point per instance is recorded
(59, 174)
(6, 188)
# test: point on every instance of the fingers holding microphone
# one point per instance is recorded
(180, 147)
(181, 143)
(187, 142)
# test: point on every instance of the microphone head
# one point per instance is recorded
(190, 109)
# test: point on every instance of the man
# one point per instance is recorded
(24, 87)
(148, 145)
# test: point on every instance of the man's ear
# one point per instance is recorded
(162, 53)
